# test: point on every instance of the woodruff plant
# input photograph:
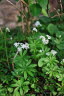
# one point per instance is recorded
(20, 87)
(23, 66)
(35, 60)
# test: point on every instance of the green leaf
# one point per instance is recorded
(10, 90)
(16, 93)
(26, 83)
(52, 29)
(44, 12)
(25, 75)
(40, 63)
(33, 65)
(33, 86)
(30, 73)
(26, 89)
(35, 9)
(43, 3)
(21, 91)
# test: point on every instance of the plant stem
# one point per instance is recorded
(6, 49)
(13, 60)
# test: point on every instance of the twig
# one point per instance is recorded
(57, 15)
(61, 5)
(14, 5)
(24, 2)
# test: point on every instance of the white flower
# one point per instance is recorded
(7, 29)
(34, 29)
(16, 44)
(19, 49)
(42, 37)
(47, 53)
(62, 60)
(37, 23)
(49, 37)
(21, 46)
(53, 52)
(25, 46)
(45, 41)
(41, 51)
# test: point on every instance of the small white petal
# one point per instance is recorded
(53, 52)
(42, 37)
(62, 60)
(7, 29)
(34, 29)
(16, 44)
(49, 37)
(37, 23)
(25, 46)
(47, 53)
(19, 49)
(45, 41)
(41, 51)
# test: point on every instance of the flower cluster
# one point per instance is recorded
(53, 52)
(20, 46)
(44, 40)
(37, 23)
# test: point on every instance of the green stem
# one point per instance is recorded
(50, 94)
(13, 60)
(6, 49)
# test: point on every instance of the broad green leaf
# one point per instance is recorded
(35, 9)
(43, 3)
(52, 29)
